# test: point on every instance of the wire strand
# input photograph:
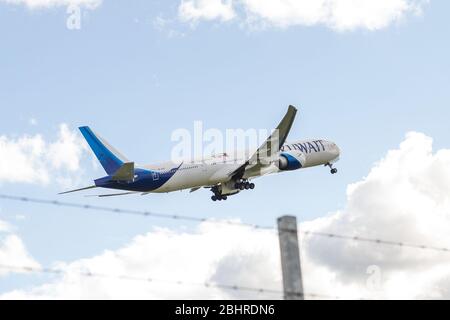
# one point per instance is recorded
(209, 285)
(224, 222)
(375, 241)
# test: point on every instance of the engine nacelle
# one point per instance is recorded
(291, 160)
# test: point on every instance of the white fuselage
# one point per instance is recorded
(215, 170)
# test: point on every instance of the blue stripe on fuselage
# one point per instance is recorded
(146, 180)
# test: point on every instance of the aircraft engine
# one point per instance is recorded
(291, 160)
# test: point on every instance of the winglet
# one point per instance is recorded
(274, 143)
(286, 124)
(277, 140)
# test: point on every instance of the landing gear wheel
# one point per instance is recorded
(224, 198)
(214, 198)
(252, 186)
(241, 187)
(247, 186)
(333, 170)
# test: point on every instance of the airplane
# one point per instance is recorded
(223, 175)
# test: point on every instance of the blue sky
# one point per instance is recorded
(135, 83)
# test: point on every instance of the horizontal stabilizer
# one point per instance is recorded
(82, 189)
(112, 195)
(125, 172)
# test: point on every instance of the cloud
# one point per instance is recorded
(4, 226)
(14, 253)
(405, 197)
(30, 159)
(167, 26)
(198, 257)
(12, 250)
(40, 4)
(206, 10)
(340, 15)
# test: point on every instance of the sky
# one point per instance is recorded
(371, 76)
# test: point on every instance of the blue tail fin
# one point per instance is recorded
(110, 159)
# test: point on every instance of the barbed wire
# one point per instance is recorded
(224, 222)
(208, 285)
(129, 211)
(375, 241)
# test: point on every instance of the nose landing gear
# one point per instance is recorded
(333, 170)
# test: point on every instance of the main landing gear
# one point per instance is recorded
(217, 195)
(244, 185)
(219, 198)
(240, 185)
(333, 170)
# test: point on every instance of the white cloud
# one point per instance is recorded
(66, 151)
(14, 253)
(190, 10)
(4, 226)
(30, 159)
(168, 26)
(405, 197)
(39, 4)
(199, 257)
(12, 250)
(341, 15)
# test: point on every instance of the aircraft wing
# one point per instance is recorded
(262, 161)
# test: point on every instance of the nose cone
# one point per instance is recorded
(336, 151)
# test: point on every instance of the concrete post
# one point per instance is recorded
(290, 258)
